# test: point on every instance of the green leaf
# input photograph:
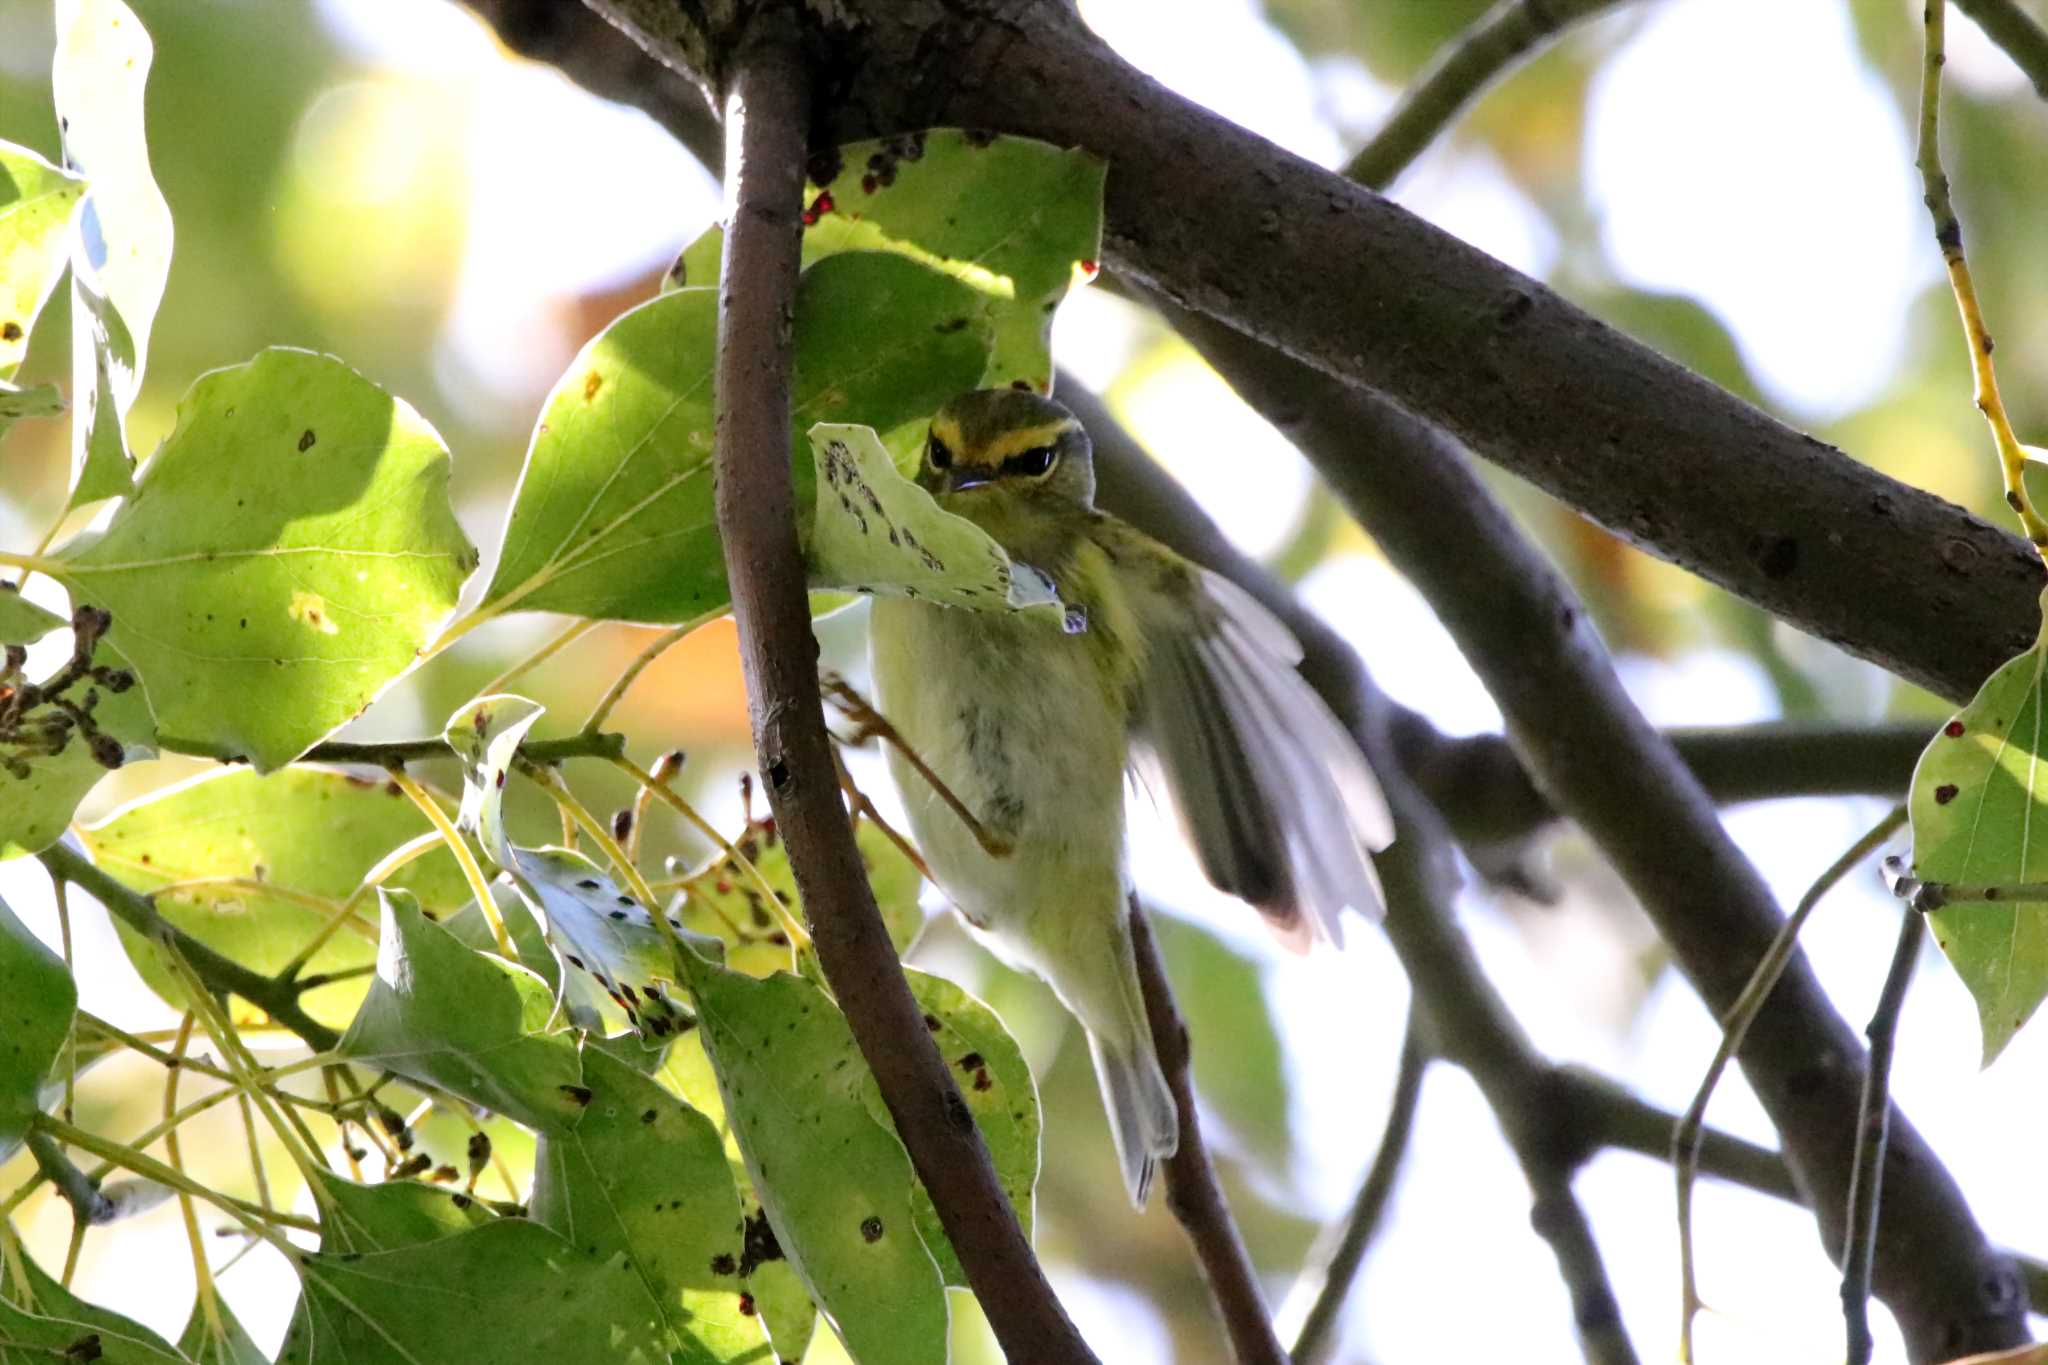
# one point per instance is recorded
(614, 518)
(1239, 1069)
(397, 1213)
(230, 1345)
(16, 403)
(594, 925)
(1977, 805)
(49, 1325)
(875, 531)
(36, 201)
(642, 1175)
(37, 998)
(122, 252)
(1014, 219)
(510, 1290)
(996, 1082)
(779, 1295)
(836, 1187)
(281, 560)
(308, 832)
(36, 808)
(22, 622)
(466, 1021)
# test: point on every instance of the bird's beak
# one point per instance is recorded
(958, 484)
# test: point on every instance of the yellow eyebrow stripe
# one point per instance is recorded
(1023, 439)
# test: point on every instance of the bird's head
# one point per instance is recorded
(1008, 440)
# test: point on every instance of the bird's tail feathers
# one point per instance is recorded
(1142, 1117)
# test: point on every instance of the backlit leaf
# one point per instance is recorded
(281, 559)
(1979, 807)
(836, 1186)
(43, 1323)
(36, 203)
(122, 255)
(613, 517)
(640, 1174)
(466, 1021)
(310, 833)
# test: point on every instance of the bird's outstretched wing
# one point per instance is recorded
(1280, 806)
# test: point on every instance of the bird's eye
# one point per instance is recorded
(1031, 464)
(935, 451)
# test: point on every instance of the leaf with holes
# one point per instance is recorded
(281, 560)
(875, 531)
(397, 1213)
(122, 251)
(509, 1290)
(1016, 220)
(996, 1082)
(37, 998)
(594, 925)
(259, 866)
(613, 517)
(641, 1174)
(837, 1187)
(36, 204)
(466, 1021)
(1979, 807)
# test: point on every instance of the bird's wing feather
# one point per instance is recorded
(1281, 808)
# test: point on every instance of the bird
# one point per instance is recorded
(1031, 720)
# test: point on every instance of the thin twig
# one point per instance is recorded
(1948, 235)
(1335, 1266)
(1866, 1187)
(767, 121)
(1685, 1138)
(392, 753)
(1505, 34)
(570, 634)
(1192, 1190)
(276, 999)
(655, 649)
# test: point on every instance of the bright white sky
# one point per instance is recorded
(1792, 213)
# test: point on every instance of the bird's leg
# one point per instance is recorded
(872, 724)
(865, 809)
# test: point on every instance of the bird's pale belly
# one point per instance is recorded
(1010, 714)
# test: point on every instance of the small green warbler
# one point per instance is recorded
(1161, 667)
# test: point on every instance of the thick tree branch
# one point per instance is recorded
(766, 120)
(1504, 35)
(1192, 1191)
(278, 999)
(1527, 637)
(2018, 32)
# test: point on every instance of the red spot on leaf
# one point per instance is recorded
(1954, 729)
(820, 206)
(1090, 267)
(1945, 793)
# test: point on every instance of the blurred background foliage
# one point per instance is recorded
(379, 181)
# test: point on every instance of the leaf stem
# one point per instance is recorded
(1685, 1138)
(799, 934)
(248, 1215)
(1948, 235)
(479, 886)
(575, 631)
(654, 650)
